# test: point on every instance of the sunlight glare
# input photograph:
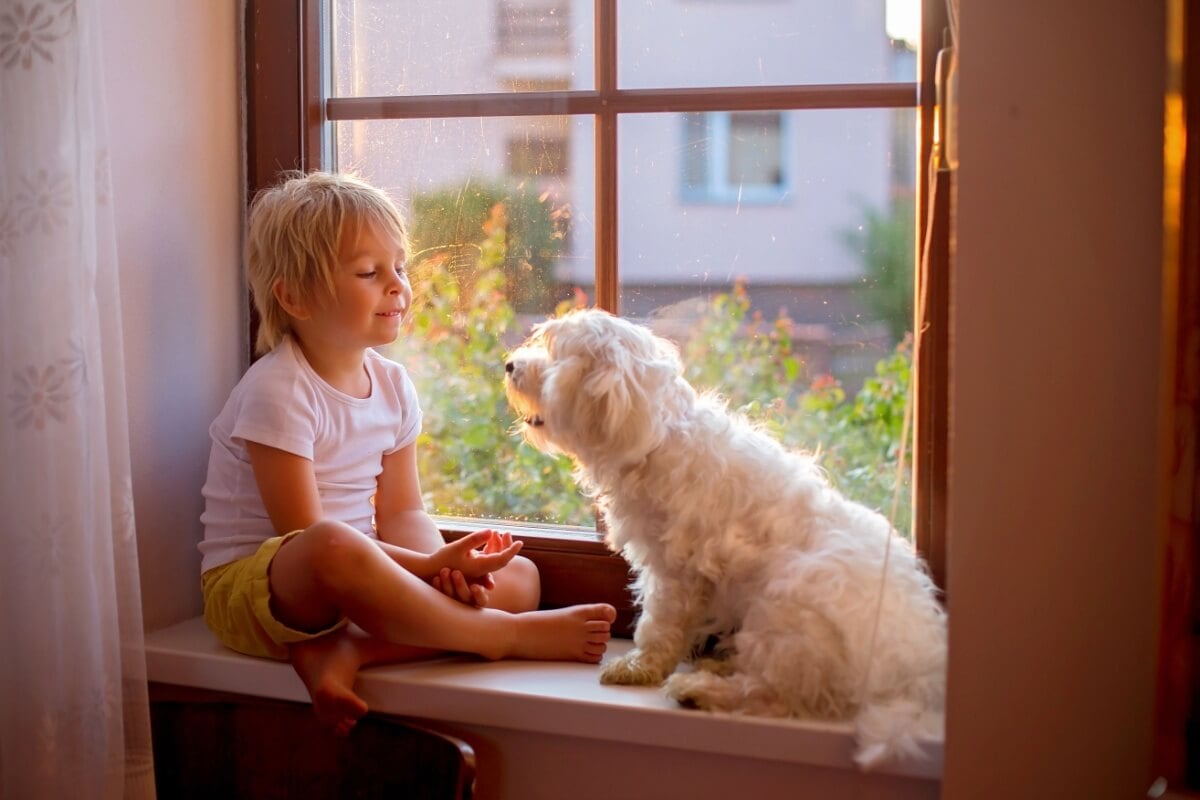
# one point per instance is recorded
(904, 20)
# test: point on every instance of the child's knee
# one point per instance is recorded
(520, 578)
(526, 571)
(333, 549)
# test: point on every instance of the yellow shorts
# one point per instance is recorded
(237, 605)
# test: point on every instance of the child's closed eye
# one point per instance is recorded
(400, 270)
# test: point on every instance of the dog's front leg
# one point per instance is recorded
(671, 609)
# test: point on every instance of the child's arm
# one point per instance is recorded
(288, 487)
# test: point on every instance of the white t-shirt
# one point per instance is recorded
(281, 402)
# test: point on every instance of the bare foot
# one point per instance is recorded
(574, 633)
(328, 666)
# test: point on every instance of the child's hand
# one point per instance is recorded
(464, 568)
(452, 584)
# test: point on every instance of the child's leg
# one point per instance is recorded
(328, 666)
(330, 570)
(518, 586)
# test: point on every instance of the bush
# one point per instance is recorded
(885, 244)
(451, 221)
(472, 465)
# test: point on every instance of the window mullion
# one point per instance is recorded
(606, 155)
(931, 355)
(626, 101)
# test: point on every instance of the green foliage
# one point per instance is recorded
(859, 438)
(735, 352)
(885, 243)
(472, 464)
(452, 220)
(453, 346)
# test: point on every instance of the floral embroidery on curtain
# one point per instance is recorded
(74, 719)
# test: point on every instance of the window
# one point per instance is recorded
(734, 157)
(531, 29)
(735, 175)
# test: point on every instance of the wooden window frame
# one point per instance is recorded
(286, 121)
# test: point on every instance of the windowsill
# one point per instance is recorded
(541, 697)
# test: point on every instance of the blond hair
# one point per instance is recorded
(293, 235)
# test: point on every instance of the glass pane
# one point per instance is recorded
(410, 47)
(793, 299)
(755, 149)
(496, 221)
(684, 43)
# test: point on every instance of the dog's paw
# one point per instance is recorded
(631, 669)
(690, 689)
(703, 690)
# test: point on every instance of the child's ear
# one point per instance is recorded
(289, 301)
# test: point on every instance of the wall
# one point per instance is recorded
(171, 76)
(1054, 505)
(518, 765)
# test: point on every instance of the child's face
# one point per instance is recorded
(372, 291)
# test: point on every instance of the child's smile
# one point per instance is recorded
(373, 292)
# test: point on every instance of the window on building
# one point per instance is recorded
(734, 157)
(737, 176)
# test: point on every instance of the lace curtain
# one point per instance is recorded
(74, 720)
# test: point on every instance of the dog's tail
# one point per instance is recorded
(894, 731)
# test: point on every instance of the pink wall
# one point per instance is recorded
(171, 76)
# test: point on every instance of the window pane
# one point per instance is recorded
(793, 305)
(684, 43)
(496, 223)
(408, 47)
(755, 149)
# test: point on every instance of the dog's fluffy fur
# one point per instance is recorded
(733, 536)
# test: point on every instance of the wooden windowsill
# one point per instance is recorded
(542, 697)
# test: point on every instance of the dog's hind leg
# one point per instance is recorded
(802, 657)
(712, 691)
(717, 666)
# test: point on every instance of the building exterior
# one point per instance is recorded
(705, 199)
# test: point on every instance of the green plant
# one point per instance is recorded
(451, 221)
(885, 243)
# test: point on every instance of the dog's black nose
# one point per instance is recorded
(508, 367)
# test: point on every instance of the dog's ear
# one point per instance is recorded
(612, 388)
(628, 384)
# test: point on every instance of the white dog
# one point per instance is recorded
(731, 535)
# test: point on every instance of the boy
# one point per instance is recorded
(317, 548)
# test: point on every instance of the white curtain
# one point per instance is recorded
(73, 710)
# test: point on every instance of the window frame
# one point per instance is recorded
(288, 121)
